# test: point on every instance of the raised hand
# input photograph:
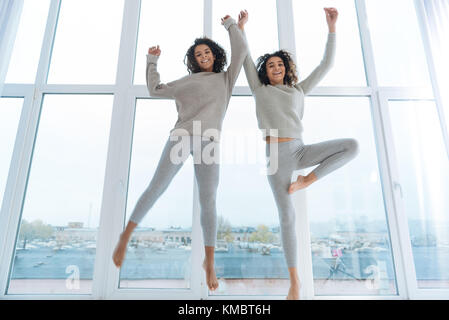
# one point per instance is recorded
(243, 18)
(331, 18)
(155, 51)
(225, 18)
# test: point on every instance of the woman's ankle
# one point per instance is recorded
(124, 237)
(295, 282)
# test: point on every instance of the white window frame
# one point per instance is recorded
(112, 218)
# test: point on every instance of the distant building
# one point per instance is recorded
(74, 231)
(177, 235)
(78, 225)
(68, 234)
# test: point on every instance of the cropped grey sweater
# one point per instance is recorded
(282, 107)
(202, 96)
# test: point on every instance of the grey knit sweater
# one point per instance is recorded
(282, 107)
(202, 96)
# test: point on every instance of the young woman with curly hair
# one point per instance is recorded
(201, 100)
(279, 109)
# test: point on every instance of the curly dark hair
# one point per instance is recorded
(290, 77)
(217, 50)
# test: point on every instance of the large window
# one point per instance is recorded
(87, 137)
(351, 246)
(249, 258)
(56, 241)
(424, 180)
(398, 51)
(28, 43)
(311, 34)
(158, 255)
(10, 110)
(87, 42)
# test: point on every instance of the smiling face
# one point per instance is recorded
(204, 57)
(275, 70)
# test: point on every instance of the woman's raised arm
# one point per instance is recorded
(155, 87)
(239, 49)
(248, 64)
(329, 55)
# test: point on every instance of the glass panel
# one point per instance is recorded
(10, 110)
(311, 35)
(56, 244)
(262, 21)
(249, 259)
(28, 43)
(156, 29)
(351, 246)
(440, 52)
(87, 52)
(158, 254)
(397, 44)
(424, 179)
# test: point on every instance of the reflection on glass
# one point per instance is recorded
(158, 254)
(10, 109)
(424, 180)
(311, 35)
(249, 258)
(156, 29)
(87, 42)
(56, 244)
(351, 248)
(397, 44)
(261, 29)
(28, 42)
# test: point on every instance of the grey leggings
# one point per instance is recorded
(206, 177)
(294, 155)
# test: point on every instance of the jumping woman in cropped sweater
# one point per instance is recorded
(201, 98)
(279, 109)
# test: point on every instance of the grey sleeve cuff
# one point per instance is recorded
(229, 22)
(151, 58)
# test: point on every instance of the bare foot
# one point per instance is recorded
(301, 183)
(211, 278)
(293, 292)
(120, 251)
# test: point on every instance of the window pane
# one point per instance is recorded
(262, 21)
(424, 179)
(10, 110)
(351, 247)
(158, 254)
(397, 44)
(249, 258)
(87, 52)
(173, 39)
(311, 35)
(56, 244)
(28, 43)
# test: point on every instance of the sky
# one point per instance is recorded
(67, 173)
